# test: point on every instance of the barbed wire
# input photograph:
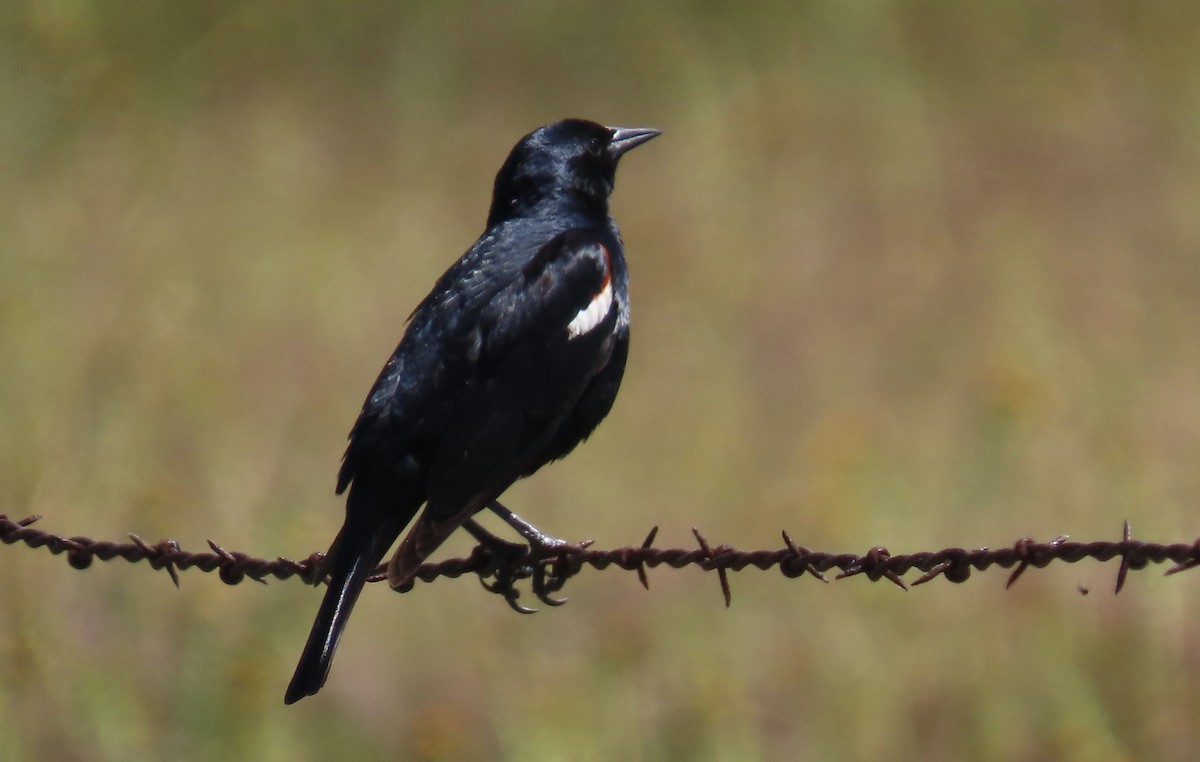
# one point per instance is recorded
(500, 564)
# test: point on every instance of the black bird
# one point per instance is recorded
(511, 361)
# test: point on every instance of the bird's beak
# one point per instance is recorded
(625, 138)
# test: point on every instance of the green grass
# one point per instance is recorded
(903, 274)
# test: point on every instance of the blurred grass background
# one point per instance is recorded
(911, 274)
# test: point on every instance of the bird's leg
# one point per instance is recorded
(486, 538)
(541, 543)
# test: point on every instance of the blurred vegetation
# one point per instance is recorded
(910, 274)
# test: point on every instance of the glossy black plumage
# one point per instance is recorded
(512, 359)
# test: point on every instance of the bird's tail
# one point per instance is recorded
(347, 577)
(377, 510)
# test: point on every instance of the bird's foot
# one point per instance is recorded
(547, 561)
(509, 562)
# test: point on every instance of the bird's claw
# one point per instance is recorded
(504, 586)
(552, 566)
(555, 573)
(544, 584)
(508, 563)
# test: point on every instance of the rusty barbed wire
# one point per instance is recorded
(500, 564)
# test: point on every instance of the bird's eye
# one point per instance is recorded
(596, 148)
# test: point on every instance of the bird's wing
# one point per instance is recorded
(415, 392)
(567, 285)
(542, 339)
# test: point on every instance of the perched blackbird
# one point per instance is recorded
(511, 360)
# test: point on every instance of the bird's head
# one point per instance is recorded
(572, 160)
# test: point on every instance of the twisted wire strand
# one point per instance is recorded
(500, 564)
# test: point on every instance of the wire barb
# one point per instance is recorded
(794, 565)
(709, 554)
(1127, 560)
(641, 567)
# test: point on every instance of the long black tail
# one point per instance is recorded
(351, 567)
(377, 510)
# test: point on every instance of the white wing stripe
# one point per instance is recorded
(592, 315)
